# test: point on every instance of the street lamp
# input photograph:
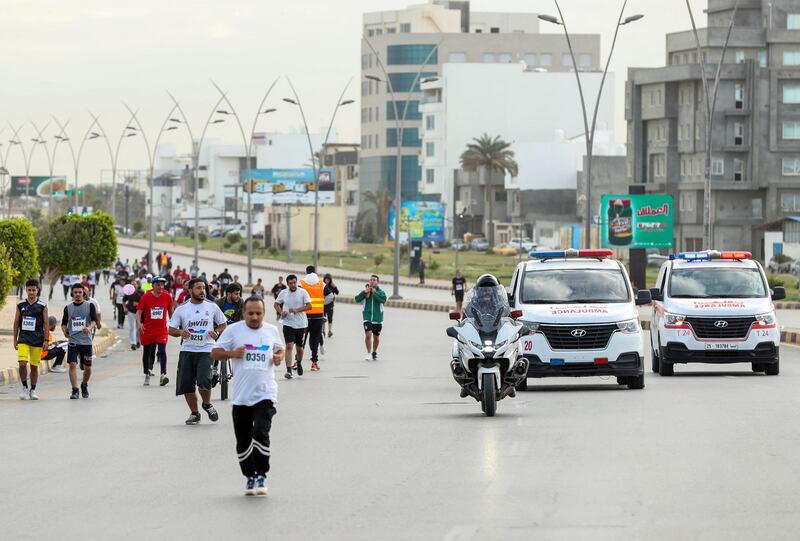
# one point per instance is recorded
(76, 159)
(339, 103)
(711, 106)
(589, 132)
(398, 185)
(4, 165)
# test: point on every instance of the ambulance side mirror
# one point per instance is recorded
(643, 297)
(778, 293)
(656, 295)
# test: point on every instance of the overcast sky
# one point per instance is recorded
(66, 57)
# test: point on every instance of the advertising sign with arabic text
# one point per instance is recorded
(637, 221)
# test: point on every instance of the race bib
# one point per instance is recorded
(197, 335)
(157, 312)
(257, 357)
(459, 287)
(77, 324)
(29, 323)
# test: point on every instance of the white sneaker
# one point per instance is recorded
(146, 380)
(33, 395)
(58, 369)
(368, 357)
(24, 394)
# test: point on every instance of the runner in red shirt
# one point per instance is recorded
(152, 315)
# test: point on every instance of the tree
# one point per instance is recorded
(77, 245)
(380, 200)
(489, 155)
(17, 236)
(6, 276)
(138, 227)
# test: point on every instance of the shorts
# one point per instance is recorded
(153, 338)
(329, 312)
(194, 370)
(374, 328)
(294, 336)
(29, 354)
(79, 350)
(460, 296)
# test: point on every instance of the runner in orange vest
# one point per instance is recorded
(316, 316)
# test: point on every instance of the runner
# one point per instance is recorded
(30, 337)
(77, 323)
(55, 350)
(194, 270)
(254, 348)
(199, 323)
(316, 316)
(373, 298)
(224, 279)
(232, 304)
(131, 303)
(258, 290)
(292, 304)
(151, 315)
(459, 289)
(276, 289)
(330, 299)
(117, 295)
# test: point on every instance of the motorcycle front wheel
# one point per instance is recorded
(489, 402)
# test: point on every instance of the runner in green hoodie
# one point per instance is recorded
(373, 298)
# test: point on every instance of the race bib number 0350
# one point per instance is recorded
(257, 357)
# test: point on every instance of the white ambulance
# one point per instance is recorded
(714, 307)
(581, 311)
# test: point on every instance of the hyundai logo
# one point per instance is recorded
(578, 333)
(721, 324)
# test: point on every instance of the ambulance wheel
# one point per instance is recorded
(772, 369)
(666, 368)
(758, 367)
(636, 382)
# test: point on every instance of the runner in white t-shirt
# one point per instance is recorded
(292, 304)
(253, 347)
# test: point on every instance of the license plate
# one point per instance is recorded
(722, 347)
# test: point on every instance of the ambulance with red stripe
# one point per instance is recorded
(581, 312)
(714, 307)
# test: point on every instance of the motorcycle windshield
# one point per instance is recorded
(486, 306)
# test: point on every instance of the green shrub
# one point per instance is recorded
(17, 236)
(233, 237)
(242, 247)
(226, 245)
(434, 265)
(273, 251)
(256, 245)
(378, 259)
(6, 275)
(782, 258)
(138, 226)
(775, 281)
(202, 237)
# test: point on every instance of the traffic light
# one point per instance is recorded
(85, 211)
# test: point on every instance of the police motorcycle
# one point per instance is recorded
(486, 357)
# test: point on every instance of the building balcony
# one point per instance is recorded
(745, 147)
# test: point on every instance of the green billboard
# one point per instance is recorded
(637, 221)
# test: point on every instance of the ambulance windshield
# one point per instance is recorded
(716, 283)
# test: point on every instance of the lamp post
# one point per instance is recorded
(711, 105)
(51, 162)
(399, 121)
(76, 159)
(339, 103)
(4, 167)
(247, 144)
(589, 131)
(36, 142)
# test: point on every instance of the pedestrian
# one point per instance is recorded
(131, 305)
(316, 316)
(117, 295)
(194, 270)
(258, 289)
(236, 279)
(254, 349)
(276, 289)
(421, 268)
(106, 275)
(66, 283)
(55, 349)
(164, 262)
(78, 323)
(373, 298)
(224, 279)
(30, 337)
(152, 313)
(458, 290)
(292, 304)
(198, 323)
(330, 299)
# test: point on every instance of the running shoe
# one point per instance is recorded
(133, 347)
(368, 357)
(374, 355)
(212, 412)
(164, 380)
(24, 394)
(146, 380)
(194, 418)
(33, 395)
(84, 390)
(250, 487)
(299, 367)
(288, 375)
(75, 394)
(151, 373)
(261, 485)
(58, 369)
(330, 333)
(314, 367)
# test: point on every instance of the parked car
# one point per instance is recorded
(479, 245)
(458, 245)
(506, 249)
(526, 243)
(221, 230)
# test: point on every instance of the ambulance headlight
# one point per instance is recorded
(674, 319)
(628, 327)
(766, 319)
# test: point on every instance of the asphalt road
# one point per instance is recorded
(387, 450)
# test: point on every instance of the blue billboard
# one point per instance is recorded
(419, 220)
(296, 186)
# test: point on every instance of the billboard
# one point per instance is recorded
(37, 186)
(421, 220)
(637, 221)
(296, 186)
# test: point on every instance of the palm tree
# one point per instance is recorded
(493, 155)
(380, 199)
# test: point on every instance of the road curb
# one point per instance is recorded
(787, 305)
(102, 344)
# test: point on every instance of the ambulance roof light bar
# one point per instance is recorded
(563, 254)
(708, 255)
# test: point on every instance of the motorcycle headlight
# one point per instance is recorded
(766, 319)
(674, 319)
(629, 327)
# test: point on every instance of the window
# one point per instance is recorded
(546, 59)
(364, 87)
(411, 54)
(585, 60)
(530, 59)
(738, 133)
(505, 58)
(430, 149)
(369, 141)
(376, 140)
(683, 167)
(762, 59)
(755, 208)
(791, 130)
(410, 138)
(363, 141)
(791, 58)
(659, 97)
(405, 28)
(697, 171)
(413, 112)
(488, 57)
(363, 115)
(740, 57)
(370, 32)
(566, 60)
(494, 30)
(687, 201)
(501, 196)
(791, 167)
(429, 176)
(738, 95)
(738, 169)
(790, 201)
(457, 57)
(378, 31)
(364, 61)
(430, 122)
(652, 98)
(697, 132)
(369, 114)
(717, 166)
(377, 113)
(791, 93)
(694, 244)
(391, 30)
(793, 21)
(401, 82)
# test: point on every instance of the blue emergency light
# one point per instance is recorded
(558, 254)
(709, 255)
